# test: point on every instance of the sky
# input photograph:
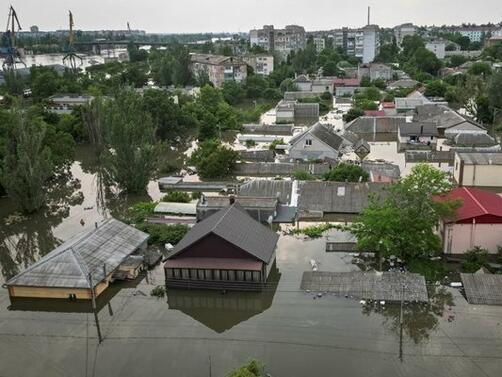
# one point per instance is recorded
(191, 16)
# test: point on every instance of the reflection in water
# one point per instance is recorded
(24, 239)
(419, 320)
(220, 312)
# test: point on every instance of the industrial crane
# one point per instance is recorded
(10, 53)
(71, 57)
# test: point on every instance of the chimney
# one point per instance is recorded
(231, 199)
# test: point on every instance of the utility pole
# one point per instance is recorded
(401, 327)
(96, 319)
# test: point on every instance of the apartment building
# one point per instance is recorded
(282, 41)
(438, 47)
(218, 68)
(403, 30)
(363, 43)
(320, 44)
(262, 64)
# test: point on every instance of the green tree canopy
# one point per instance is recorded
(213, 159)
(402, 223)
(129, 134)
(345, 172)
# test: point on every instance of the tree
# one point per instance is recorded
(232, 92)
(426, 61)
(402, 223)
(26, 166)
(213, 159)
(251, 369)
(287, 85)
(345, 172)
(129, 135)
(330, 68)
(436, 88)
(494, 89)
(352, 114)
(480, 69)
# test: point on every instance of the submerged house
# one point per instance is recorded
(228, 250)
(478, 221)
(82, 267)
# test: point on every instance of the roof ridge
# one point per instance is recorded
(222, 217)
(81, 265)
(468, 191)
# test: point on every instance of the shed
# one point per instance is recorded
(482, 169)
(176, 208)
(83, 266)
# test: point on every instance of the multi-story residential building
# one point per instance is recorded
(438, 47)
(218, 68)
(404, 30)
(283, 41)
(262, 64)
(320, 44)
(474, 34)
(362, 43)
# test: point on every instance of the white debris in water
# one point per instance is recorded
(362, 302)
(382, 302)
(456, 284)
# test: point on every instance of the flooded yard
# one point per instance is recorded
(190, 333)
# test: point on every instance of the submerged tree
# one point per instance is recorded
(129, 134)
(26, 166)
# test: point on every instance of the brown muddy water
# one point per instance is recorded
(198, 333)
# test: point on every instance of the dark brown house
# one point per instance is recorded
(228, 250)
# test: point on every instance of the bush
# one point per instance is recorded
(159, 291)
(474, 259)
(352, 114)
(275, 143)
(139, 212)
(177, 197)
(213, 159)
(347, 172)
(250, 143)
(302, 175)
(161, 234)
(315, 231)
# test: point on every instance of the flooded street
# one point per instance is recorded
(189, 333)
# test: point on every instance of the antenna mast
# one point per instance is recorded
(71, 57)
(11, 54)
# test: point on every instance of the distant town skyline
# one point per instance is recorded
(195, 16)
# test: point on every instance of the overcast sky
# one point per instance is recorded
(185, 16)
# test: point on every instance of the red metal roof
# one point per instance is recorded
(374, 113)
(388, 105)
(215, 263)
(483, 206)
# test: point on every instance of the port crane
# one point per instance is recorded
(10, 52)
(71, 56)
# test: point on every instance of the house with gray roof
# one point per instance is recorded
(478, 169)
(227, 250)
(336, 201)
(416, 134)
(371, 125)
(82, 267)
(262, 209)
(318, 142)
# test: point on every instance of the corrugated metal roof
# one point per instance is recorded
(248, 202)
(177, 208)
(482, 288)
(268, 188)
(475, 203)
(337, 197)
(478, 158)
(418, 129)
(70, 264)
(234, 225)
(388, 286)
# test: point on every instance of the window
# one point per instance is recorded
(224, 275)
(200, 274)
(249, 275)
(240, 276)
(185, 274)
(216, 274)
(169, 273)
(209, 274)
(256, 276)
(231, 275)
(177, 273)
(308, 142)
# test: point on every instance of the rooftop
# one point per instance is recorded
(480, 158)
(484, 206)
(234, 225)
(418, 129)
(89, 254)
(322, 133)
(248, 202)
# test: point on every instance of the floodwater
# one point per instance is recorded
(198, 333)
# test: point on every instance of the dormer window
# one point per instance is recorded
(308, 142)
